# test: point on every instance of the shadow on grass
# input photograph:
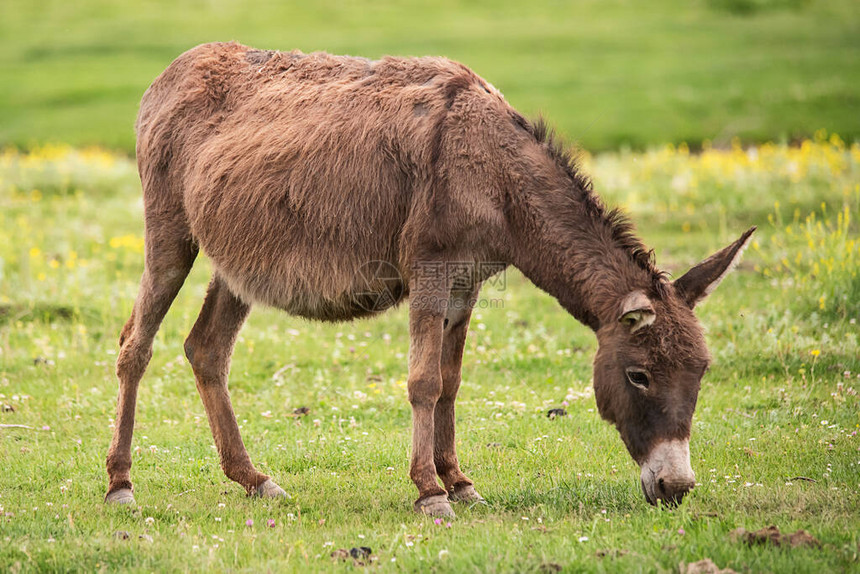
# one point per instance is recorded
(39, 312)
(574, 497)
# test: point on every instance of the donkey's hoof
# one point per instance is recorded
(437, 505)
(270, 490)
(465, 493)
(121, 496)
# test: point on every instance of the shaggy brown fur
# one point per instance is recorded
(294, 171)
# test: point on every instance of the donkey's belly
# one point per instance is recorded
(349, 306)
(326, 287)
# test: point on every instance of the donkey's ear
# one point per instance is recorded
(637, 311)
(701, 280)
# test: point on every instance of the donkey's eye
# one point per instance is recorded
(638, 377)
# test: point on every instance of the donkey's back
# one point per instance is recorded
(293, 170)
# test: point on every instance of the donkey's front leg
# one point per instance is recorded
(426, 318)
(456, 325)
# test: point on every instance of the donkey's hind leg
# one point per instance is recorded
(208, 348)
(169, 257)
(456, 325)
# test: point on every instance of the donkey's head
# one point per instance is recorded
(648, 369)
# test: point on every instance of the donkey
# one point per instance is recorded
(295, 171)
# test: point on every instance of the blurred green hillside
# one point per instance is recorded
(606, 73)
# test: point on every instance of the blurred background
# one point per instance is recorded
(608, 74)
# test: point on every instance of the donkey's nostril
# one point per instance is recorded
(661, 484)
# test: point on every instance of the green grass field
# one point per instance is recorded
(607, 73)
(780, 401)
(776, 430)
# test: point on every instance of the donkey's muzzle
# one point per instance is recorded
(669, 494)
(666, 474)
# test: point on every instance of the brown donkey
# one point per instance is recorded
(295, 172)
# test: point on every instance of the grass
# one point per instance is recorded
(608, 73)
(779, 403)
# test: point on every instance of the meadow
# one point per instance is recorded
(609, 73)
(775, 433)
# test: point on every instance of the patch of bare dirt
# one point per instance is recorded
(361, 555)
(704, 566)
(772, 535)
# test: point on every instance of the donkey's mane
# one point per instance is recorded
(622, 230)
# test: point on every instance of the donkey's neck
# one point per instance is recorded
(569, 245)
